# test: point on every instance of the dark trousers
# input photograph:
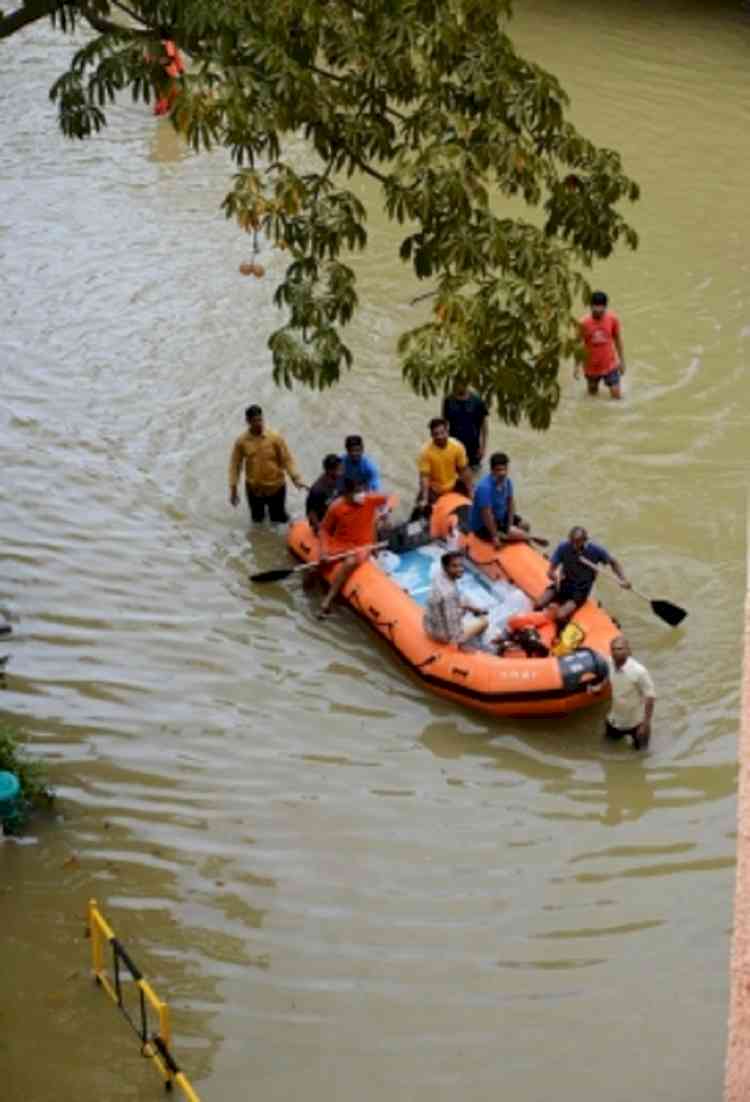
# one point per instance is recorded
(275, 503)
(616, 733)
(484, 533)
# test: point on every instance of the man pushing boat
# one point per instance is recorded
(267, 462)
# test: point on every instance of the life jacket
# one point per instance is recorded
(571, 638)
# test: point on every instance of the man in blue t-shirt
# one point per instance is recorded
(466, 414)
(572, 572)
(493, 508)
(359, 467)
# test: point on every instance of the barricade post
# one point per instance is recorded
(154, 1045)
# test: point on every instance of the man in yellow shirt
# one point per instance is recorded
(267, 461)
(443, 465)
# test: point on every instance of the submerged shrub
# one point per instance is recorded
(32, 777)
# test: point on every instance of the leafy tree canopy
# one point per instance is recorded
(431, 100)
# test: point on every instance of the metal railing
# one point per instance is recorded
(154, 1044)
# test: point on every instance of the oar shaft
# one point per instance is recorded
(670, 613)
(339, 555)
(280, 573)
(601, 570)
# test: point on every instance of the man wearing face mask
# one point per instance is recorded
(349, 525)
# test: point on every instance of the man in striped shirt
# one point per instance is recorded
(444, 611)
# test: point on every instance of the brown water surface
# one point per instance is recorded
(346, 887)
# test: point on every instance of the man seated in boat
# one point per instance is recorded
(445, 608)
(348, 525)
(443, 466)
(359, 466)
(493, 509)
(572, 573)
(323, 491)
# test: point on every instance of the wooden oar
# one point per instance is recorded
(284, 572)
(665, 610)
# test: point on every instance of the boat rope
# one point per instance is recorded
(372, 613)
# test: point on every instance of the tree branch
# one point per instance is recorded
(103, 26)
(368, 170)
(342, 80)
(29, 13)
(133, 15)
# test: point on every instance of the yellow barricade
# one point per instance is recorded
(153, 1045)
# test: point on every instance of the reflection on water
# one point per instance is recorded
(342, 883)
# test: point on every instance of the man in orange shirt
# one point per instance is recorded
(349, 524)
(602, 338)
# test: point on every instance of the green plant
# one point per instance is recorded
(457, 134)
(31, 774)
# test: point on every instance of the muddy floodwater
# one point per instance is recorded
(346, 887)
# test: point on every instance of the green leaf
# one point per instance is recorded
(454, 130)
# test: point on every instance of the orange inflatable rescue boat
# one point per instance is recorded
(390, 590)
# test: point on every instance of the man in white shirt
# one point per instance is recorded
(633, 696)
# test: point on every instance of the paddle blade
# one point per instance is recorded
(272, 575)
(671, 614)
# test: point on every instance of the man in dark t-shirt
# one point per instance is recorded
(323, 491)
(572, 573)
(466, 414)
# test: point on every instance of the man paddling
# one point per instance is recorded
(349, 524)
(572, 573)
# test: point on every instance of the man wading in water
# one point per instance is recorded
(633, 696)
(466, 414)
(605, 355)
(267, 461)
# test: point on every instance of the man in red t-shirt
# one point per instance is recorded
(602, 338)
(349, 523)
